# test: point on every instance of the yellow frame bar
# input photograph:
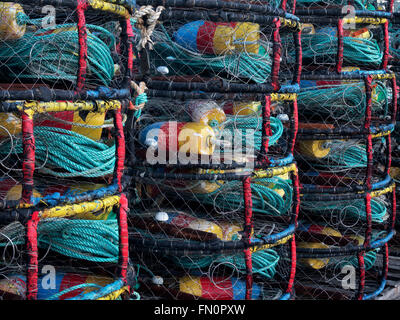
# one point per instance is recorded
(81, 208)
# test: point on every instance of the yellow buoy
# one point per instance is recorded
(314, 148)
(9, 27)
(314, 263)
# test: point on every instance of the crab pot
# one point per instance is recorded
(344, 164)
(176, 267)
(335, 7)
(48, 253)
(222, 133)
(332, 272)
(352, 103)
(337, 43)
(241, 52)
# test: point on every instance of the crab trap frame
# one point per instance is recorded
(202, 50)
(62, 118)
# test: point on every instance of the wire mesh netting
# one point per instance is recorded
(65, 81)
(218, 150)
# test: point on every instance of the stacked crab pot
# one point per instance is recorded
(347, 111)
(65, 71)
(215, 198)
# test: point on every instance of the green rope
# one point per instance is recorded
(347, 209)
(90, 240)
(182, 61)
(343, 102)
(246, 127)
(75, 154)
(79, 286)
(344, 155)
(322, 48)
(50, 55)
(266, 199)
(358, 4)
(264, 262)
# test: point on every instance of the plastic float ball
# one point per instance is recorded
(307, 28)
(16, 284)
(76, 122)
(272, 185)
(315, 149)
(10, 125)
(395, 173)
(223, 231)
(10, 29)
(185, 137)
(206, 112)
(248, 108)
(219, 37)
(10, 190)
(314, 263)
(317, 263)
(218, 288)
(362, 33)
(183, 220)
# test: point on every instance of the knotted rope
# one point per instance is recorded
(146, 20)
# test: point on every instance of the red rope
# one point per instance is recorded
(361, 267)
(293, 266)
(123, 237)
(276, 55)
(266, 129)
(32, 251)
(120, 148)
(386, 46)
(395, 90)
(339, 62)
(247, 233)
(82, 34)
(394, 203)
(296, 124)
(28, 164)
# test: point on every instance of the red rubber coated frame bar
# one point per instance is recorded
(82, 34)
(394, 211)
(367, 125)
(32, 256)
(386, 262)
(277, 52)
(385, 57)
(391, 5)
(296, 190)
(295, 115)
(339, 62)
(293, 265)
(283, 4)
(129, 31)
(266, 130)
(248, 227)
(388, 153)
(368, 212)
(123, 237)
(395, 91)
(120, 148)
(361, 268)
(28, 163)
(299, 48)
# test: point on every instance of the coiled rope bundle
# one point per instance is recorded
(73, 153)
(322, 48)
(256, 67)
(264, 262)
(91, 240)
(344, 102)
(51, 54)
